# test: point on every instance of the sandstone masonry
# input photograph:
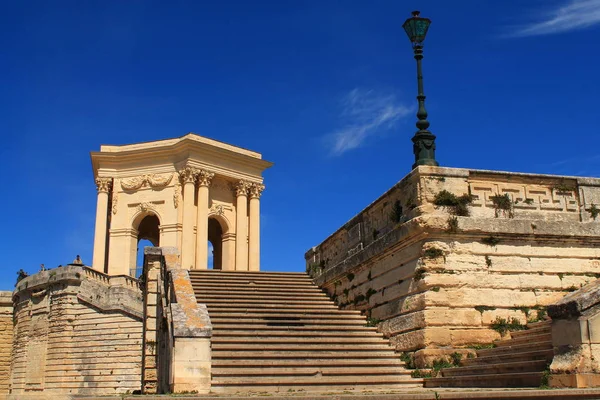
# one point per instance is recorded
(77, 331)
(6, 332)
(438, 278)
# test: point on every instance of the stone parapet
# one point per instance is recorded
(436, 278)
(77, 332)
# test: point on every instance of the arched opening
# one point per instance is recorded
(215, 244)
(148, 235)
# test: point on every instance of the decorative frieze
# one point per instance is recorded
(176, 194)
(114, 200)
(152, 180)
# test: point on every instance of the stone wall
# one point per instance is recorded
(437, 279)
(77, 331)
(6, 331)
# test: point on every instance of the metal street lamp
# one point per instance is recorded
(424, 141)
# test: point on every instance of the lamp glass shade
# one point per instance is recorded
(416, 28)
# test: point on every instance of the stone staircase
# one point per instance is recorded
(280, 332)
(517, 362)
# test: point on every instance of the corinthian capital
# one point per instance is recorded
(103, 184)
(255, 190)
(188, 174)
(241, 188)
(205, 177)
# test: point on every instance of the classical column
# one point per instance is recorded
(188, 177)
(254, 229)
(99, 259)
(204, 178)
(241, 226)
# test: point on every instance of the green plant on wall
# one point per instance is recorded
(452, 225)
(396, 214)
(433, 252)
(490, 241)
(502, 326)
(594, 212)
(488, 261)
(456, 205)
(502, 203)
(419, 274)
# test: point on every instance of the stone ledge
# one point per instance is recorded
(575, 304)
(190, 319)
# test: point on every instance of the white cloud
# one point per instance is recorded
(571, 15)
(365, 113)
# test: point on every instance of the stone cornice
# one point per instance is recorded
(165, 156)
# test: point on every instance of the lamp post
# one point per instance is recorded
(424, 141)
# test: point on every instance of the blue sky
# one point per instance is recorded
(325, 89)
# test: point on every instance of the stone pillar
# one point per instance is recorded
(152, 274)
(254, 229)
(228, 252)
(99, 259)
(241, 226)
(188, 177)
(204, 178)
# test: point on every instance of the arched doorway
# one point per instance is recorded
(215, 244)
(148, 235)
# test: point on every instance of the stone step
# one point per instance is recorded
(300, 355)
(246, 273)
(540, 324)
(526, 347)
(216, 283)
(281, 297)
(298, 328)
(276, 316)
(273, 306)
(546, 354)
(524, 379)
(282, 310)
(258, 289)
(252, 322)
(313, 362)
(529, 339)
(297, 333)
(311, 380)
(301, 387)
(532, 331)
(265, 301)
(308, 370)
(298, 347)
(284, 340)
(233, 277)
(499, 369)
